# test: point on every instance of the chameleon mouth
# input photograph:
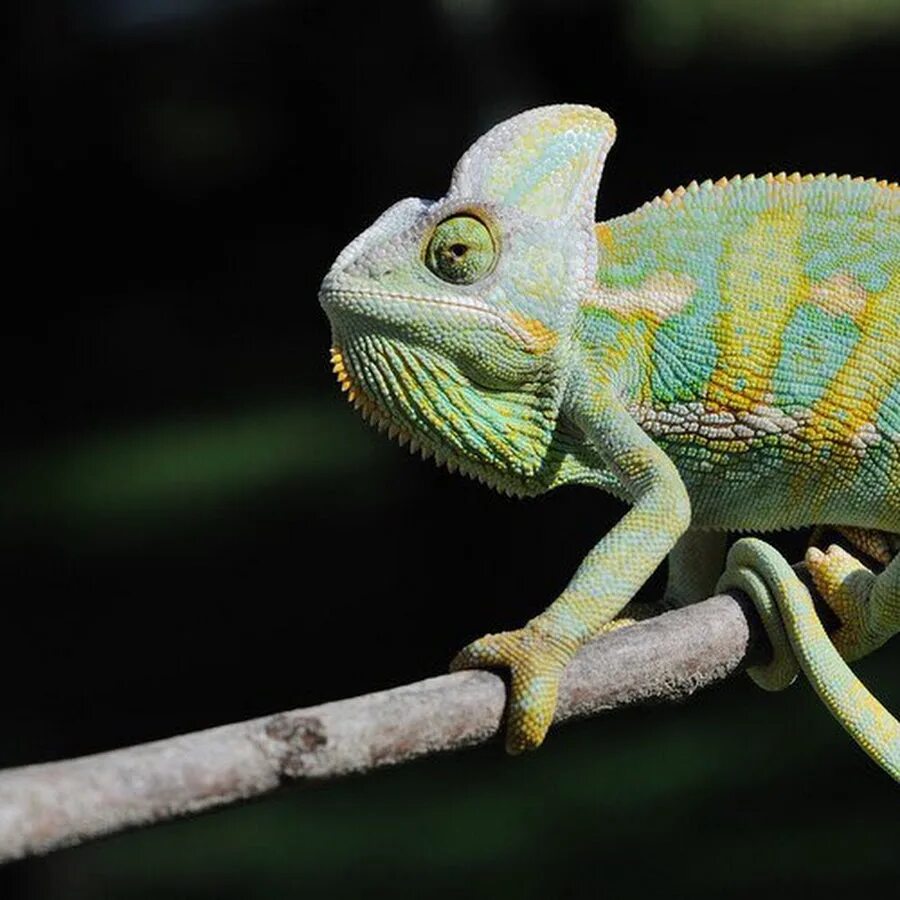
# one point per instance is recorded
(356, 300)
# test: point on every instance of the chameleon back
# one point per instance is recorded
(754, 326)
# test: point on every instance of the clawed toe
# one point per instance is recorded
(844, 583)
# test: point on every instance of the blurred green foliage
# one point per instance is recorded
(155, 475)
(667, 30)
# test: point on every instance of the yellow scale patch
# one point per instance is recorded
(761, 262)
(604, 235)
(543, 338)
(851, 404)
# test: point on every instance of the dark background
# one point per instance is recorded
(196, 529)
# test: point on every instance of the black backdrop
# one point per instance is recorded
(196, 529)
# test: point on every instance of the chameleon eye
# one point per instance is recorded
(461, 250)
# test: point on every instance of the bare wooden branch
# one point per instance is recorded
(52, 805)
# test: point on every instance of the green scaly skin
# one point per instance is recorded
(725, 358)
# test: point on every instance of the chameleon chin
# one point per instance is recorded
(724, 358)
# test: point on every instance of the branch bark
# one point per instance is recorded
(52, 805)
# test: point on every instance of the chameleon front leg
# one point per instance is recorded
(603, 584)
(796, 633)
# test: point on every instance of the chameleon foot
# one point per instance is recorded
(845, 584)
(536, 660)
(881, 546)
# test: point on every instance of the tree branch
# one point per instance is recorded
(52, 805)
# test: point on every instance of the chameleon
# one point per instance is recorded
(725, 359)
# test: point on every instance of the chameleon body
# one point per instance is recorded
(725, 358)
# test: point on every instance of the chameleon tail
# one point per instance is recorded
(789, 615)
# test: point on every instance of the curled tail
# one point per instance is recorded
(797, 637)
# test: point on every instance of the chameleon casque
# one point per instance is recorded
(724, 358)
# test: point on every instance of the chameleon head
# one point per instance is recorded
(451, 320)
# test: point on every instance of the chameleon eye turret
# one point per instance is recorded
(461, 250)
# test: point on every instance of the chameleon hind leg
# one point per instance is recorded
(797, 636)
(867, 605)
(882, 546)
(695, 563)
